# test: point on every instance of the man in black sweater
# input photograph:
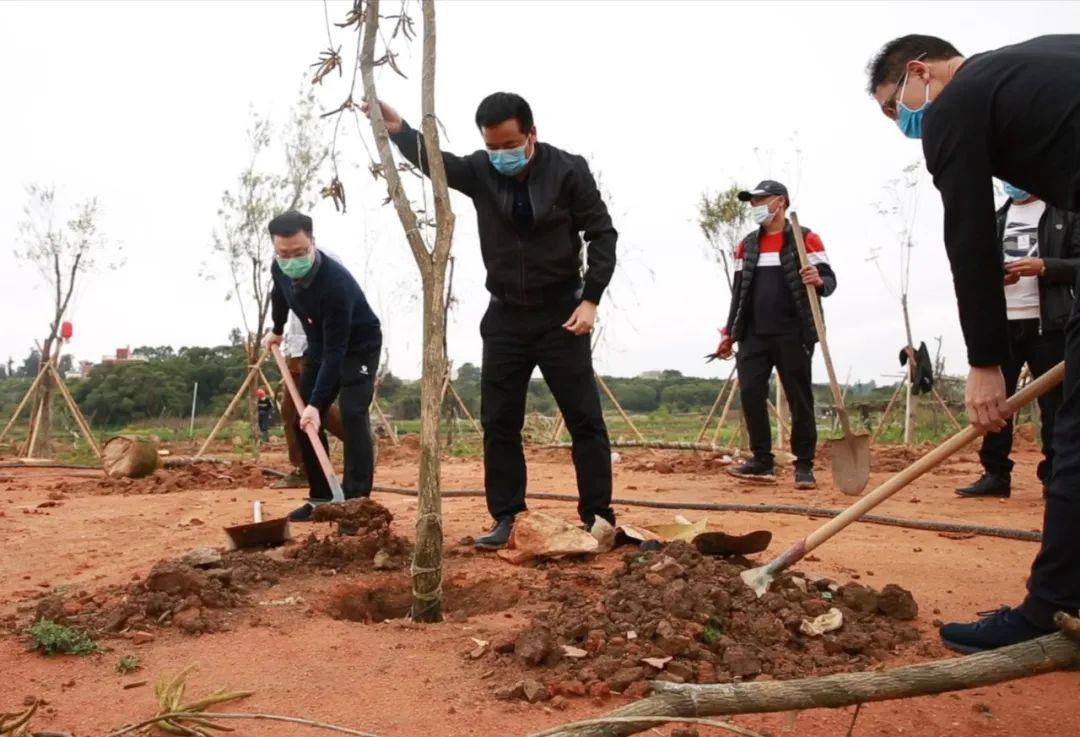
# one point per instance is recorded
(1041, 247)
(1011, 113)
(533, 203)
(342, 357)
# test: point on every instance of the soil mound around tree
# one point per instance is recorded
(166, 481)
(677, 616)
(391, 598)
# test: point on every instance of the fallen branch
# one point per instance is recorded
(660, 445)
(182, 715)
(1046, 654)
(728, 726)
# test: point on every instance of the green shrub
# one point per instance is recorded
(51, 638)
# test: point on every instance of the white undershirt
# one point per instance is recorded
(1021, 239)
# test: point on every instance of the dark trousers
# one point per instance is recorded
(758, 356)
(264, 425)
(1055, 575)
(290, 416)
(354, 395)
(1041, 353)
(516, 341)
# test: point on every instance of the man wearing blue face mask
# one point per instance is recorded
(534, 203)
(1011, 113)
(1041, 248)
(344, 340)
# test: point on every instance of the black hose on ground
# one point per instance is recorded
(796, 509)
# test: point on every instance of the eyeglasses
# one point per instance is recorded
(889, 106)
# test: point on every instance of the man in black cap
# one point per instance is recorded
(1010, 113)
(771, 320)
(344, 340)
(534, 202)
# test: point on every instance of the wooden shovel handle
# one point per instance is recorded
(312, 433)
(1022, 398)
(819, 325)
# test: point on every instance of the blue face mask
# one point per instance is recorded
(1014, 192)
(910, 121)
(509, 161)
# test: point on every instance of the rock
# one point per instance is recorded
(190, 621)
(534, 645)
(667, 568)
(898, 603)
(859, 598)
(383, 561)
(142, 638)
(568, 688)
(599, 690)
(511, 693)
(503, 644)
(815, 607)
(853, 643)
(534, 691)
(204, 557)
(637, 690)
(559, 703)
(621, 679)
(741, 662)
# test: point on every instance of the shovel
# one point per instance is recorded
(313, 435)
(850, 455)
(759, 578)
(258, 534)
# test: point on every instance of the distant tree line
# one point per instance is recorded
(117, 394)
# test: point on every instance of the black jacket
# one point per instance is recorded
(1059, 248)
(789, 262)
(1011, 113)
(536, 265)
(336, 317)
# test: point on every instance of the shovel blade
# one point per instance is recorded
(850, 457)
(758, 579)
(259, 534)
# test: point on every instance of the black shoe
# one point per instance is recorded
(804, 478)
(294, 480)
(302, 514)
(756, 470)
(996, 629)
(498, 536)
(997, 485)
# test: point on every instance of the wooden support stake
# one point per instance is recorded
(727, 408)
(390, 429)
(622, 412)
(885, 414)
(945, 406)
(558, 427)
(76, 413)
(468, 414)
(715, 405)
(232, 406)
(22, 404)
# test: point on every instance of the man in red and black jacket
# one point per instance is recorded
(771, 320)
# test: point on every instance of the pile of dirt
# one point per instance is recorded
(164, 481)
(389, 598)
(364, 537)
(677, 616)
(681, 462)
(194, 591)
(188, 593)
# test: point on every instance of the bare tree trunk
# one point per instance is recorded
(251, 358)
(42, 446)
(427, 559)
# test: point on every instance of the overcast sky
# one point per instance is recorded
(145, 106)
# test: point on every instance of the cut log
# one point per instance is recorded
(130, 456)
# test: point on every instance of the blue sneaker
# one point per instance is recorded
(999, 628)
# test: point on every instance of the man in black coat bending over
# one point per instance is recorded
(1011, 113)
(344, 340)
(533, 204)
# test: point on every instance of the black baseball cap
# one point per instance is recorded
(764, 188)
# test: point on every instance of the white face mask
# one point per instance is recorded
(760, 214)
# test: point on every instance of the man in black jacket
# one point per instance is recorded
(533, 202)
(1041, 247)
(344, 340)
(1011, 113)
(770, 319)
